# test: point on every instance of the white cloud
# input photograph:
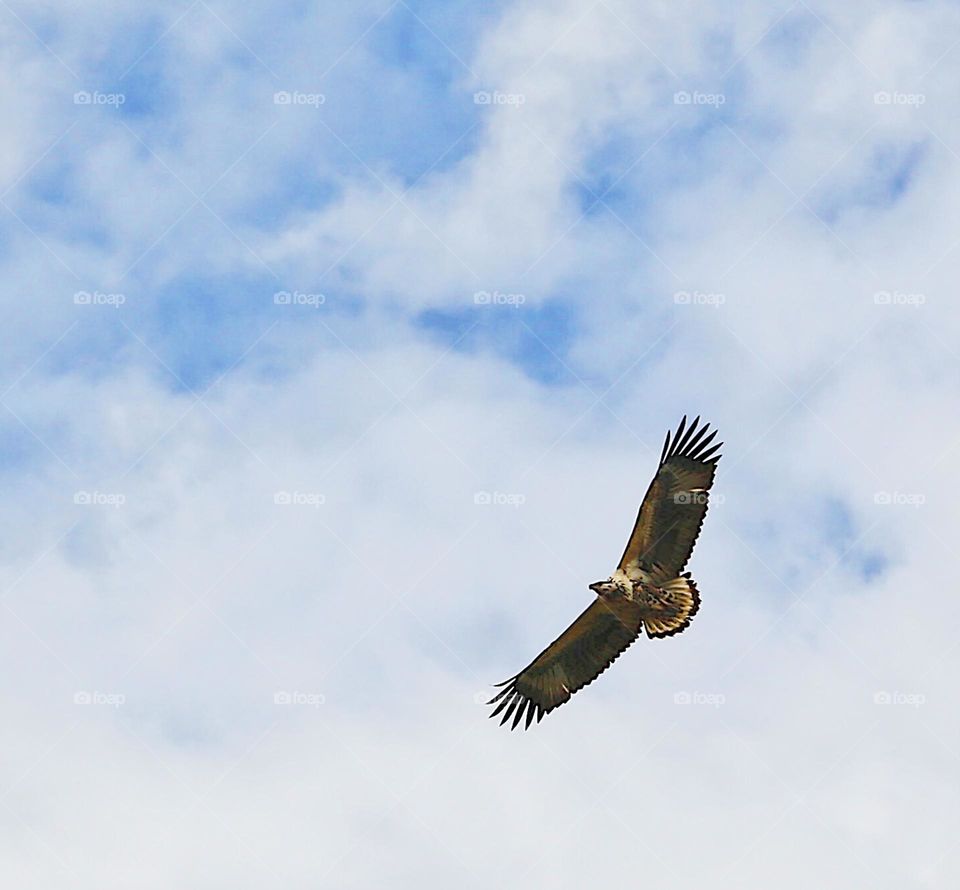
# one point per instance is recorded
(310, 528)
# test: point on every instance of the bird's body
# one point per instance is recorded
(660, 604)
(648, 590)
(640, 590)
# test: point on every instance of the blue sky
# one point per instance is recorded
(288, 287)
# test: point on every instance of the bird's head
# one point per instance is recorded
(604, 588)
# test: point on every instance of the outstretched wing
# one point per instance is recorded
(673, 508)
(577, 657)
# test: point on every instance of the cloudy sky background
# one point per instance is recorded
(286, 299)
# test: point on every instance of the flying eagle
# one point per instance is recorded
(648, 591)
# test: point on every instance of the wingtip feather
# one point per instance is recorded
(666, 448)
(690, 442)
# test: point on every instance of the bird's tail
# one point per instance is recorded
(676, 609)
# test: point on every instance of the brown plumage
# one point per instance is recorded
(648, 591)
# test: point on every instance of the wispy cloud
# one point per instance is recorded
(338, 346)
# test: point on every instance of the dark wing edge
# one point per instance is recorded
(690, 446)
(694, 446)
(601, 633)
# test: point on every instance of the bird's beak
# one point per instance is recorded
(595, 587)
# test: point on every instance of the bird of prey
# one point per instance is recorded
(648, 591)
